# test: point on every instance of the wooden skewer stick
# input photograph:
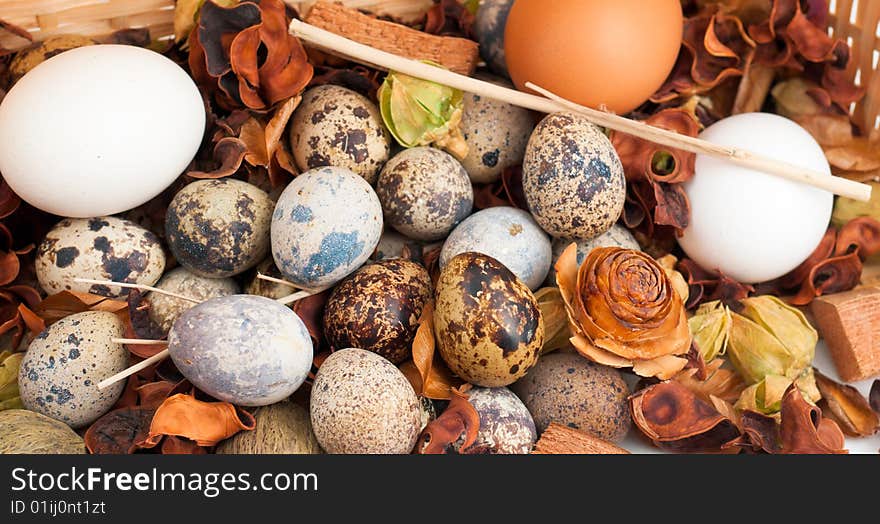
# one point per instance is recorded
(139, 287)
(364, 54)
(125, 373)
(283, 282)
(299, 295)
(137, 341)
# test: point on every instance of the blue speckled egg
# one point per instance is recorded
(510, 236)
(243, 349)
(326, 225)
(490, 24)
(60, 372)
(617, 236)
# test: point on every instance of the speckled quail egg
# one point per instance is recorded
(496, 134)
(326, 225)
(361, 403)
(508, 235)
(424, 193)
(617, 236)
(27, 432)
(490, 23)
(244, 349)
(572, 177)
(219, 228)
(104, 248)
(283, 428)
(488, 326)
(335, 126)
(267, 288)
(568, 389)
(378, 308)
(61, 369)
(164, 310)
(506, 426)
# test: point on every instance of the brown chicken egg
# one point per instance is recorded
(378, 308)
(488, 326)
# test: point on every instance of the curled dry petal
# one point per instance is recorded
(803, 430)
(207, 423)
(706, 286)
(874, 396)
(426, 371)
(506, 191)
(556, 330)
(450, 18)
(624, 311)
(846, 406)
(9, 393)
(720, 382)
(459, 418)
(119, 431)
(676, 419)
(761, 432)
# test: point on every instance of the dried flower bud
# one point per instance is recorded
(710, 327)
(624, 311)
(769, 337)
(420, 113)
(9, 364)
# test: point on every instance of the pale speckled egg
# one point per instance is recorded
(378, 308)
(244, 349)
(103, 248)
(219, 228)
(63, 365)
(266, 288)
(506, 426)
(164, 310)
(361, 403)
(326, 225)
(487, 323)
(283, 428)
(617, 236)
(424, 193)
(490, 23)
(27, 432)
(496, 134)
(508, 235)
(568, 389)
(335, 126)
(572, 177)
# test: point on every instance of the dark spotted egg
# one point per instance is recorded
(326, 224)
(490, 23)
(496, 134)
(103, 248)
(572, 177)
(243, 349)
(424, 193)
(335, 126)
(219, 228)
(378, 308)
(488, 326)
(63, 365)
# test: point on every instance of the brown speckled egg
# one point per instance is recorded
(61, 369)
(26, 432)
(617, 236)
(488, 326)
(104, 248)
(219, 228)
(568, 389)
(496, 134)
(164, 310)
(572, 177)
(266, 288)
(283, 428)
(506, 426)
(361, 403)
(424, 192)
(378, 308)
(335, 126)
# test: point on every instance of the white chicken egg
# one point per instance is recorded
(99, 130)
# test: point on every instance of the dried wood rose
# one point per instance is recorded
(624, 311)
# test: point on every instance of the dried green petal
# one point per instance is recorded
(847, 209)
(710, 327)
(766, 396)
(9, 364)
(420, 112)
(789, 327)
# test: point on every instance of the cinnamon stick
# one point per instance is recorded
(562, 440)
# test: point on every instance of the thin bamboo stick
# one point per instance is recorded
(125, 373)
(140, 287)
(367, 55)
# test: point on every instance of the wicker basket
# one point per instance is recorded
(858, 21)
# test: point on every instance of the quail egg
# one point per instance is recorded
(490, 23)
(506, 426)
(164, 310)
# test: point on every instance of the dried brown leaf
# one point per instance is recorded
(846, 406)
